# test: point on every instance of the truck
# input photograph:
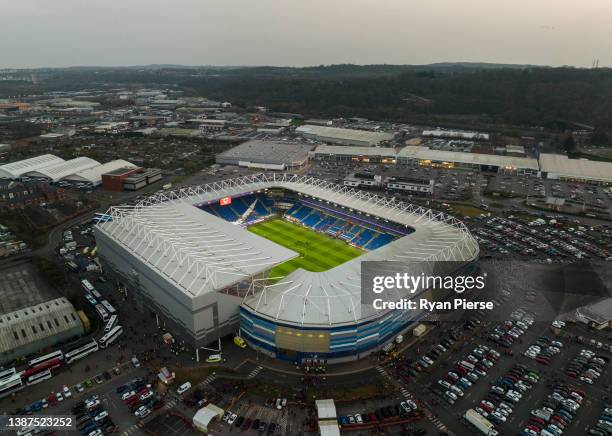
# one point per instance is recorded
(480, 422)
(419, 330)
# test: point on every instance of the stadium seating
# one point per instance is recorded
(226, 212)
(379, 241)
(356, 229)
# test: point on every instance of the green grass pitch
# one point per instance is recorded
(318, 252)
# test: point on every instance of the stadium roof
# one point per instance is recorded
(344, 136)
(63, 169)
(17, 169)
(203, 253)
(355, 151)
(576, 168)
(200, 247)
(267, 152)
(94, 175)
(425, 153)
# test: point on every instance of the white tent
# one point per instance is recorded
(206, 414)
(326, 409)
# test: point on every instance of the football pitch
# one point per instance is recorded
(318, 252)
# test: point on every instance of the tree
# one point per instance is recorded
(568, 142)
(600, 136)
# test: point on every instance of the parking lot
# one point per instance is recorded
(430, 376)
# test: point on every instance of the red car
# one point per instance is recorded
(372, 417)
(52, 400)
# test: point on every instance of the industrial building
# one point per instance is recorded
(93, 176)
(339, 153)
(130, 178)
(205, 276)
(411, 184)
(561, 167)
(359, 179)
(60, 170)
(597, 315)
(140, 179)
(272, 155)
(335, 135)
(29, 330)
(413, 155)
(455, 134)
(17, 169)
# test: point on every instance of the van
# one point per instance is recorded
(183, 388)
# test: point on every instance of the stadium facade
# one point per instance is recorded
(189, 255)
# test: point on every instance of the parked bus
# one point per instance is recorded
(10, 385)
(38, 377)
(109, 307)
(111, 336)
(90, 299)
(5, 373)
(82, 351)
(87, 286)
(111, 323)
(72, 266)
(102, 312)
(49, 364)
(46, 358)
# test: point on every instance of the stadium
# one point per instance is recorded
(276, 257)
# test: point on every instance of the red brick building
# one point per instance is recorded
(113, 180)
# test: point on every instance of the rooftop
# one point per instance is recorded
(16, 169)
(336, 134)
(271, 152)
(425, 153)
(578, 168)
(356, 151)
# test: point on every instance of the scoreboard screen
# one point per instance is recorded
(225, 201)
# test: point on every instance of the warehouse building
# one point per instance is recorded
(455, 134)
(413, 155)
(340, 136)
(113, 180)
(272, 155)
(93, 176)
(558, 166)
(29, 330)
(17, 169)
(338, 153)
(61, 170)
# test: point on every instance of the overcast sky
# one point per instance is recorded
(55, 33)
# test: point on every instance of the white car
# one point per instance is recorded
(232, 418)
(146, 396)
(358, 418)
(127, 395)
(405, 406)
(101, 416)
(92, 404)
(59, 396)
(586, 380)
(142, 412)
